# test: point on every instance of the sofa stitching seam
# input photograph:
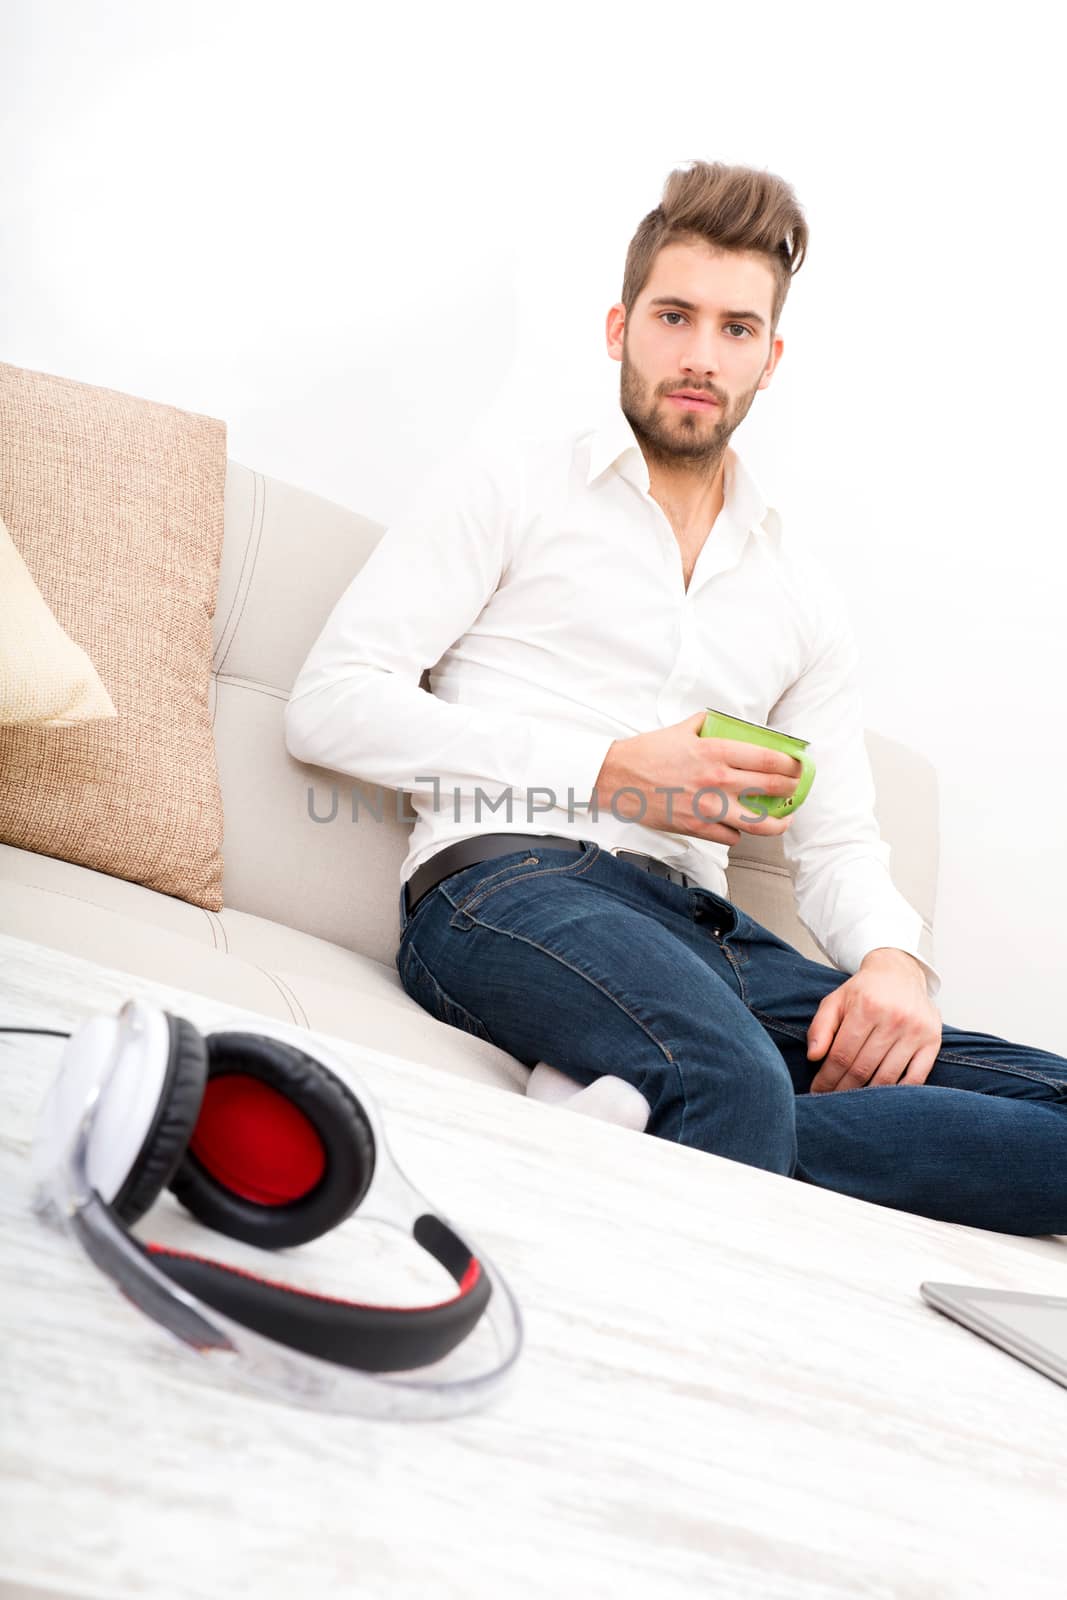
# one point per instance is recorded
(251, 573)
(281, 991)
(750, 864)
(292, 997)
(234, 682)
(241, 573)
(66, 894)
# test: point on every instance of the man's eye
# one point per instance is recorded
(740, 325)
(671, 314)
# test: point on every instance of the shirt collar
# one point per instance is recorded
(612, 443)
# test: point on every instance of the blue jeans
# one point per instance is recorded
(595, 966)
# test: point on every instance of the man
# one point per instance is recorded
(580, 602)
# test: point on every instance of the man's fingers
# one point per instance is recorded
(756, 760)
(922, 1064)
(764, 783)
(892, 1064)
(842, 1066)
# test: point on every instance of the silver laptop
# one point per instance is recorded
(1032, 1327)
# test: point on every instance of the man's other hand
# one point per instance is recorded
(879, 1027)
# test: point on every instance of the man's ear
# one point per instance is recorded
(777, 346)
(615, 330)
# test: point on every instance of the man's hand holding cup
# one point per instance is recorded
(674, 780)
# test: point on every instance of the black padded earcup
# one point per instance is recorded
(282, 1150)
(179, 1106)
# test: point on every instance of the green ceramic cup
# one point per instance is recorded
(718, 725)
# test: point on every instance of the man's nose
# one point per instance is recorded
(701, 354)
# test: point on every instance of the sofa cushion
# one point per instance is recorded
(288, 555)
(45, 678)
(116, 506)
(233, 956)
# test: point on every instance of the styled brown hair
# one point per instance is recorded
(730, 208)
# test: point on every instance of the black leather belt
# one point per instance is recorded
(467, 852)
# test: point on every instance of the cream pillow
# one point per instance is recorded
(45, 678)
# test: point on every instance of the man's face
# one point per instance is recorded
(702, 324)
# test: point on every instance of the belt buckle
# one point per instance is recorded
(653, 865)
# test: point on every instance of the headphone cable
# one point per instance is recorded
(56, 1032)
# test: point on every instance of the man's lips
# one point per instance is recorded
(693, 402)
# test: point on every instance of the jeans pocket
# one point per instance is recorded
(531, 863)
(463, 886)
(420, 983)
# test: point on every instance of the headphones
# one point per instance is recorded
(260, 1141)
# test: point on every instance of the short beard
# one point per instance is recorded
(663, 446)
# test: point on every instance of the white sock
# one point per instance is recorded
(610, 1098)
(549, 1084)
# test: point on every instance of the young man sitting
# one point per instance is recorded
(580, 602)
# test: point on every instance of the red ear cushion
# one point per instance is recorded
(179, 1106)
(282, 1150)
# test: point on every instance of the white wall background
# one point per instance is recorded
(363, 235)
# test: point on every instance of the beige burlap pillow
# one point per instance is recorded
(45, 678)
(116, 507)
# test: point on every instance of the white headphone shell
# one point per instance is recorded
(127, 1056)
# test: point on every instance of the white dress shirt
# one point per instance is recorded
(542, 585)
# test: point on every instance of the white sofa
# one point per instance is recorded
(311, 921)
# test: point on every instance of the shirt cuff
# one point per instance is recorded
(874, 934)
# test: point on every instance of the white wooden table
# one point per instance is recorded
(730, 1384)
